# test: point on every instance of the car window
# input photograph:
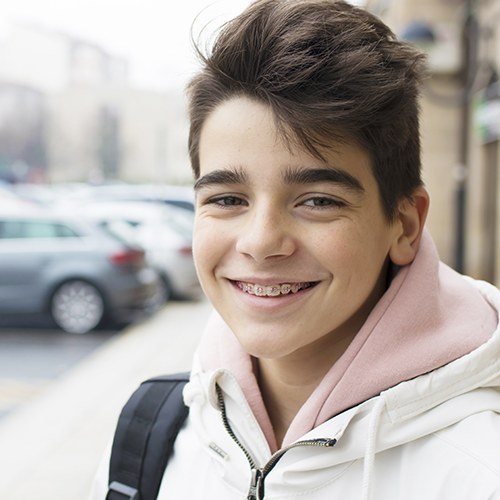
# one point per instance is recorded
(16, 229)
(64, 231)
(121, 231)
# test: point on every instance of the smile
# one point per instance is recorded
(274, 290)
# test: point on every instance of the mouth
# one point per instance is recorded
(274, 290)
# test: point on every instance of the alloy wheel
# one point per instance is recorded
(77, 307)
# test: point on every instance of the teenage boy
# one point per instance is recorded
(344, 360)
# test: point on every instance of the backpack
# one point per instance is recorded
(144, 438)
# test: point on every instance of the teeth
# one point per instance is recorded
(272, 290)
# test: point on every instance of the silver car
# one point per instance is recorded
(165, 233)
(70, 268)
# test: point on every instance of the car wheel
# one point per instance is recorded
(77, 306)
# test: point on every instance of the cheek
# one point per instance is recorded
(211, 246)
(335, 244)
(350, 250)
(203, 247)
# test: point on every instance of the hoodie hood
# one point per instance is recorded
(429, 316)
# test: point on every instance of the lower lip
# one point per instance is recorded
(272, 303)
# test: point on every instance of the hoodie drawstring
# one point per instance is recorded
(369, 458)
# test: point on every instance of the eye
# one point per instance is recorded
(227, 201)
(323, 202)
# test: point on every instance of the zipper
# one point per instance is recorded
(222, 406)
(256, 490)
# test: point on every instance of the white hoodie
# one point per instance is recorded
(434, 436)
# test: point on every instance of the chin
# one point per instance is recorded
(264, 342)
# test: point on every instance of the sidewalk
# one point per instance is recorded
(50, 447)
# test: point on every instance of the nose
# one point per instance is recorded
(265, 234)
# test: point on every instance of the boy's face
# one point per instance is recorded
(292, 251)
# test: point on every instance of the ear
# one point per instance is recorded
(408, 227)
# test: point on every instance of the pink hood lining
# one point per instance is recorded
(428, 317)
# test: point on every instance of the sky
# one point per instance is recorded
(154, 35)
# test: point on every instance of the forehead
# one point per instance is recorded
(241, 135)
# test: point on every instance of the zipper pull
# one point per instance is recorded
(326, 442)
(253, 492)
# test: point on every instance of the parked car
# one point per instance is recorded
(178, 196)
(9, 199)
(70, 268)
(165, 233)
(36, 194)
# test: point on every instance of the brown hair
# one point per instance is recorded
(328, 71)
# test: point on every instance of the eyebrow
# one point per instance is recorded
(229, 176)
(291, 176)
(329, 174)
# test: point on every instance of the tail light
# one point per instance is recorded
(129, 257)
(186, 250)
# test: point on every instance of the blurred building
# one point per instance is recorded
(460, 123)
(68, 113)
(23, 124)
(108, 132)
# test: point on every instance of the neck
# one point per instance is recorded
(286, 383)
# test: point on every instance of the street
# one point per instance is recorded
(30, 358)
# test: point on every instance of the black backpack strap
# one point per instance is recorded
(144, 438)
